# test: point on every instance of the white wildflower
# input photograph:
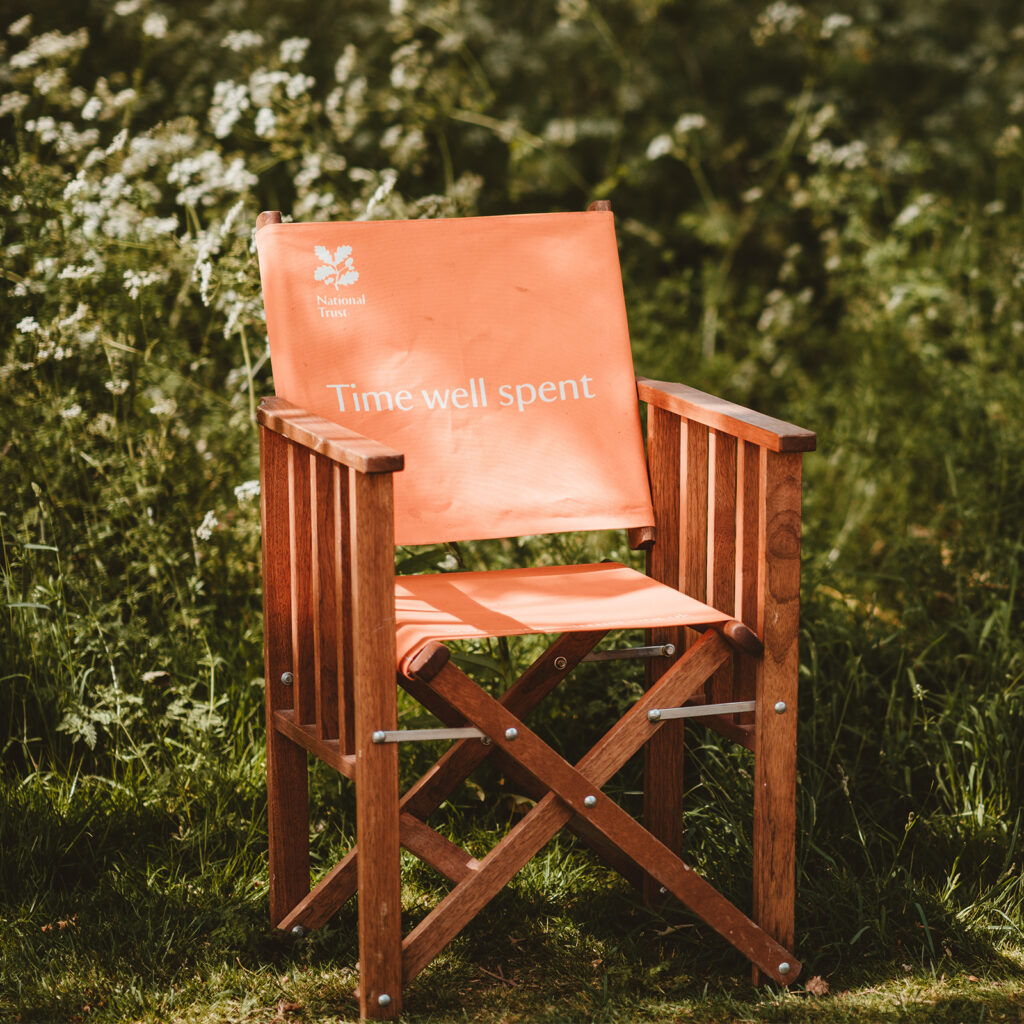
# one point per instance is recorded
(204, 531)
(246, 39)
(163, 406)
(262, 84)
(659, 146)
(13, 103)
(118, 386)
(230, 99)
(124, 8)
(71, 412)
(155, 25)
(92, 109)
(55, 46)
(247, 491)
(21, 26)
(778, 18)
(265, 122)
(293, 50)
(381, 192)
(833, 23)
(28, 325)
(52, 78)
(135, 281)
(689, 123)
(298, 85)
(345, 63)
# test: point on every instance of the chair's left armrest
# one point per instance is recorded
(337, 443)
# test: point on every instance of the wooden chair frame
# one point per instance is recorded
(726, 486)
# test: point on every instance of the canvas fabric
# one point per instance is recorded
(493, 352)
(548, 599)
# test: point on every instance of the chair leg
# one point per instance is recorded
(774, 887)
(287, 823)
(663, 796)
(380, 883)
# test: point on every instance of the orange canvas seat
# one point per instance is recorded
(547, 599)
(456, 380)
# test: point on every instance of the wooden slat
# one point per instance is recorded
(775, 742)
(342, 550)
(664, 754)
(329, 751)
(303, 665)
(693, 548)
(287, 793)
(443, 856)
(744, 424)
(329, 439)
(749, 558)
(550, 814)
(325, 621)
(722, 546)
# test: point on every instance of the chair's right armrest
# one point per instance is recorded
(337, 443)
(742, 423)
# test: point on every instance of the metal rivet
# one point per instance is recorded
(662, 891)
(486, 740)
(287, 678)
(784, 968)
(298, 931)
(560, 663)
(654, 715)
(780, 708)
(668, 650)
(379, 737)
(383, 999)
(511, 734)
(590, 801)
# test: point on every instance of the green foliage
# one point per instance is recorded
(819, 214)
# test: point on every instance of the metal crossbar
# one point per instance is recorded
(700, 710)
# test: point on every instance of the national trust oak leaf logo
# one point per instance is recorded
(337, 269)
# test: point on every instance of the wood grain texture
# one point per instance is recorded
(431, 847)
(329, 751)
(268, 217)
(324, 583)
(342, 550)
(664, 753)
(776, 680)
(329, 439)
(749, 558)
(287, 793)
(300, 525)
(376, 707)
(744, 424)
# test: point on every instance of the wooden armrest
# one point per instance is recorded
(326, 438)
(745, 424)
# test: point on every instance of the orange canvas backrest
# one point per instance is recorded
(492, 351)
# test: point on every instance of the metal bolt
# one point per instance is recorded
(383, 999)
(590, 801)
(654, 715)
(379, 736)
(668, 650)
(287, 678)
(560, 663)
(298, 931)
(662, 891)
(784, 968)
(511, 734)
(780, 707)
(486, 740)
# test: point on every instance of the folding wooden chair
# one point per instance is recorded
(471, 378)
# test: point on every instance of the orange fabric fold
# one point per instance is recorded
(549, 599)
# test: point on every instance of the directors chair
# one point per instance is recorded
(463, 379)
